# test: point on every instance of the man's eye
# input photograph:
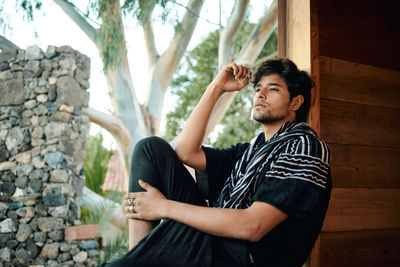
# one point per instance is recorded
(273, 89)
(257, 89)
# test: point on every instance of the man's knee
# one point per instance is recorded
(154, 143)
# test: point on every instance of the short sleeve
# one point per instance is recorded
(219, 164)
(298, 182)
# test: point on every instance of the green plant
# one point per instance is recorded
(117, 248)
(95, 164)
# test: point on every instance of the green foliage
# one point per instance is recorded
(142, 9)
(115, 249)
(101, 216)
(196, 72)
(95, 164)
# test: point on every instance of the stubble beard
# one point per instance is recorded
(267, 117)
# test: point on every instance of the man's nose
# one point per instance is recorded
(261, 94)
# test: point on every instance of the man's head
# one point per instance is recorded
(271, 80)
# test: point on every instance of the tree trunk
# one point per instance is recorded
(164, 68)
(247, 56)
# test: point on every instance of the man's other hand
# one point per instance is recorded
(147, 205)
(232, 77)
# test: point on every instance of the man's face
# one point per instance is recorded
(272, 100)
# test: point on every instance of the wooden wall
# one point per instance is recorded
(355, 52)
(355, 63)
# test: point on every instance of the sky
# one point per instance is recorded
(52, 26)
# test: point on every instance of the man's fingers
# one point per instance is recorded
(145, 185)
(235, 69)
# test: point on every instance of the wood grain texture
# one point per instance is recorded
(358, 83)
(298, 33)
(363, 209)
(314, 113)
(346, 31)
(356, 124)
(364, 166)
(380, 248)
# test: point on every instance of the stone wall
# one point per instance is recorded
(42, 136)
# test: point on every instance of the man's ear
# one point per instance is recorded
(296, 103)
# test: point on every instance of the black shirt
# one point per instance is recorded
(297, 182)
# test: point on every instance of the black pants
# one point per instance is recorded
(171, 243)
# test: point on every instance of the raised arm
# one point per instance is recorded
(230, 78)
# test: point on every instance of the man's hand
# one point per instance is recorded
(147, 205)
(232, 77)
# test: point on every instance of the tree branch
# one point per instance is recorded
(152, 53)
(114, 125)
(71, 11)
(7, 44)
(197, 14)
(247, 56)
(260, 35)
(179, 43)
(227, 37)
(261, 60)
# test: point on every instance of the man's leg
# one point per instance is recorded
(155, 162)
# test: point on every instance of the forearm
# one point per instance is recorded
(230, 223)
(191, 137)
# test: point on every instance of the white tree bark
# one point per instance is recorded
(227, 35)
(165, 67)
(247, 56)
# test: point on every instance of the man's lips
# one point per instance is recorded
(259, 105)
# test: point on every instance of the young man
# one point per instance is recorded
(267, 198)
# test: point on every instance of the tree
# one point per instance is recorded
(130, 120)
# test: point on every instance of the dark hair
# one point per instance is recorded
(298, 82)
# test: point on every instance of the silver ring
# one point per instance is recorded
(130, 201)
(131, 209)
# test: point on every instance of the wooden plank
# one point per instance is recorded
(314, 113)
(345, 38)
(364, 166)
(356, 124)
(298, 33)
(363, 209)
(379, 248)
(281, 28)
(358, 83)
(376, 15)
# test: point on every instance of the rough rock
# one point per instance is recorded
(24, 157)
(88, 244)
(80, 257)
(60, 212)
(14, 138)
(26, 212)
(50, 250)
(59, 176)
(8, 226)
(70, 93)
(12, 92)
(50, 52)
(24, 230)
(47, 224)
(53, 199)
(56, 235)
(33, 52)
(56, 160)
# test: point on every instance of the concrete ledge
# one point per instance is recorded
(81, 232)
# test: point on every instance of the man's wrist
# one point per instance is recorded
(215, 89)
(165, 208)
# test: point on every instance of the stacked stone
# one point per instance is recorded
(42, 135)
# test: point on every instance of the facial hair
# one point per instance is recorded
(268, 116)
